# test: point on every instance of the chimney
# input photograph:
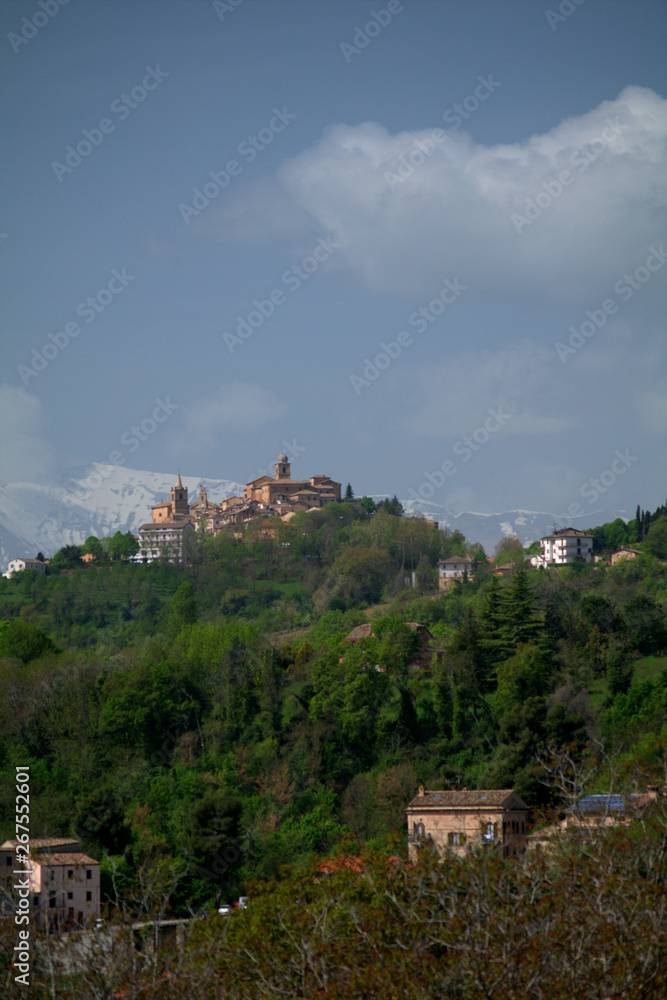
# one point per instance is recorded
(421, 793)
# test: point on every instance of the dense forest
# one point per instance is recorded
(203, 727)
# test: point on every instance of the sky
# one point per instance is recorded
(419, 246)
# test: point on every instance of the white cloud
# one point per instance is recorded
(237, 408)
(24, 454)
(453, 215)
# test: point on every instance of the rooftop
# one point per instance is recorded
(480, 798)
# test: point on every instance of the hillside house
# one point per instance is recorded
(64, 883)
(564, 547)
(17, 565)
(452, 569)
(624, 553)
(458, 820)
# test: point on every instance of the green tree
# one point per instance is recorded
(656, 539)
(24, 641)
(393, 506)
(68, 557)
(183, 609)
(349, 493)
(212, 837)
(518, 623)
(93, 546)
(122, 546)
(525, 675)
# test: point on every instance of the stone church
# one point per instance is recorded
(297, 493)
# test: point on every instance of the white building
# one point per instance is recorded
(170, 540)
(16, 565)
(454, 568)
(564, 547)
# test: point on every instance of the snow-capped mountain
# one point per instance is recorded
(95, 500)
(102, 499)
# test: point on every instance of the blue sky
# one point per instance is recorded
(470, 194)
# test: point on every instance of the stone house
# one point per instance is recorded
(459, 820)
(624, 553)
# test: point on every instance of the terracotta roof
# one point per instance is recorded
(39, 843)
(567, 533)
(73, 858)
(455, 559)
(480, 798)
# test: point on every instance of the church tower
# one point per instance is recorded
(282, 467)
(179, 499)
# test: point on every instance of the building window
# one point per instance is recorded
(8, 862)
(89, 873)
(456, 838)
(70, 873)
(70, 895)
(489, 831)
(52, 900)
(419, 830)
(89, 896)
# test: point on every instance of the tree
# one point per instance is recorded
(24, 641)
(349, 494)
(510, 543)
(656, 539)
(183, 609)
(211, 836)
(525, 675)
(393, 506)
(368, 505)
(518, 623)
(122, 546)
(93, 546)
(68, 557)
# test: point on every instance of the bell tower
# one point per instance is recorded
(179, 498)
(282, 467)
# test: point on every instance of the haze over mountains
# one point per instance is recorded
(102, 499)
